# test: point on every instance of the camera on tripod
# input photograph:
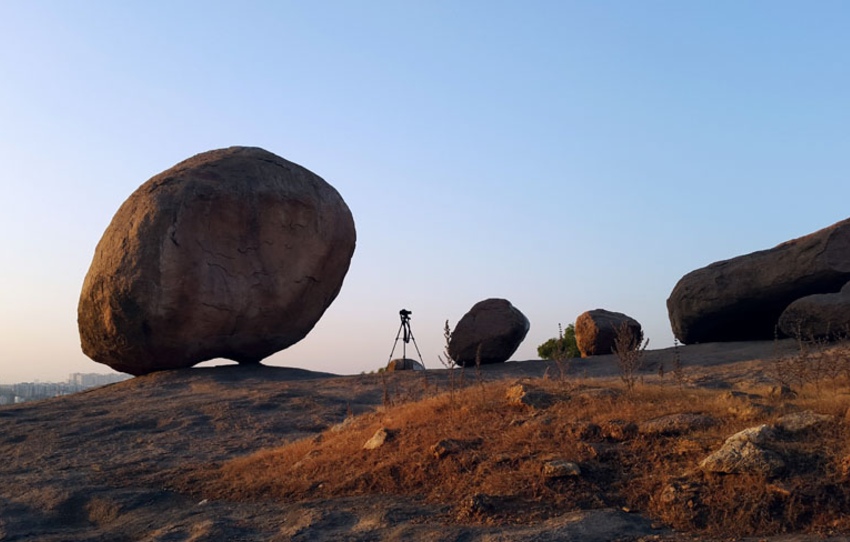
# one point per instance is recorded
(406, 335)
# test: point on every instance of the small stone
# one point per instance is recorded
(526, 396)
(381, 436)
(558, 468)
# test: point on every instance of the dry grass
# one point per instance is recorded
(495, 473)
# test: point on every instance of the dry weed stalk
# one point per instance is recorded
(562, 358)
(447, 361)
(629, 351)
(816, 360)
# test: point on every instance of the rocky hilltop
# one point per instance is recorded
(132, 461)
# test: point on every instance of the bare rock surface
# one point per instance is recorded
(818, 316)
(494, 326)
(234, 253)
(596, 331)
(742, 298)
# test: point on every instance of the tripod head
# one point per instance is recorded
(404, 314)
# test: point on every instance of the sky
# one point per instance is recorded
(564, 155)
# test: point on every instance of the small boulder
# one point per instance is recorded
(491, 331)
(743, 457)
(818, 316)
(596, 331)
(742, 453)
(404, 364)
(559, 468)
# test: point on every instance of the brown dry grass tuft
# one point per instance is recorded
(492, 470)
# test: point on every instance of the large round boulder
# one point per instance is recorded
(741, 299)
(491, 332)
(818, 316)
(234, 253)
(596, 331)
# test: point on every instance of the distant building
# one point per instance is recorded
(90, 380)
(33, 391)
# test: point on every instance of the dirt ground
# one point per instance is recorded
(98, 465)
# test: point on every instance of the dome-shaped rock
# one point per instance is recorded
(494, 324)
(404, 364)
(234, 253)
(596, 331)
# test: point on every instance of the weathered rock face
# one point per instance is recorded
(596, 331)
(743, 453)
(494, 324)
(234, 253)
(818, 316)
(742, 298)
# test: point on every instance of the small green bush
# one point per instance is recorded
(564, 345)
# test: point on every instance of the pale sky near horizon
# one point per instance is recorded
(565, 155)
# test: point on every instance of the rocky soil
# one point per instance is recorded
(99, 465)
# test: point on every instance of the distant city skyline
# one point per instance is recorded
(564, 155)
(23, 392)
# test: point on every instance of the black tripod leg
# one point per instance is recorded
(397, 335)
(412, 338)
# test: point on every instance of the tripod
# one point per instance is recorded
(406, 335)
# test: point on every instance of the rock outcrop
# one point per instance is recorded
(742, 298)
(493, 325)
(596, 331)
(234, 253)
(742, 453)
(818, 316)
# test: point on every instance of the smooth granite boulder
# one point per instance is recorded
(234, 253)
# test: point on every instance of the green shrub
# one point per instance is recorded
(564, 345)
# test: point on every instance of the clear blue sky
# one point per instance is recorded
(565, 155)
